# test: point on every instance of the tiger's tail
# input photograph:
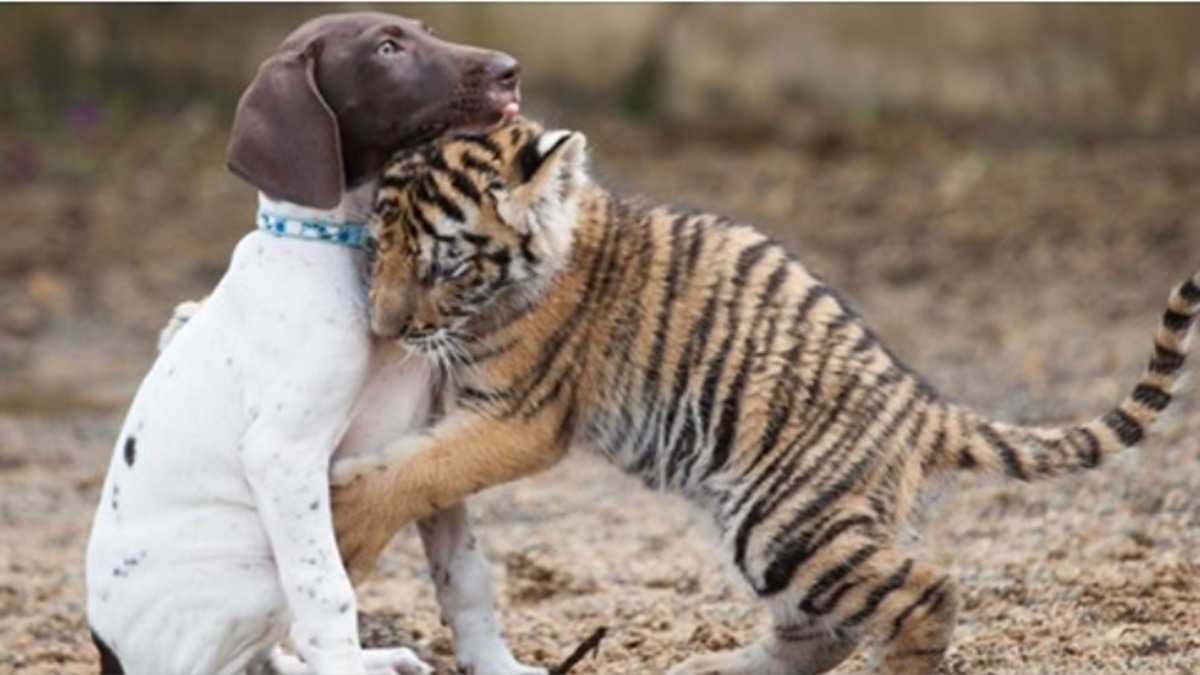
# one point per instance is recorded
(1026, 452)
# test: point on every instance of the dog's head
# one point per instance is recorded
(345, 91)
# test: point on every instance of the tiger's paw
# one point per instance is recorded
(182, 313)
(365, 516)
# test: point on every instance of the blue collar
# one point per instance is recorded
(349, 234)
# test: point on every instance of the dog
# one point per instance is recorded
(213, 542)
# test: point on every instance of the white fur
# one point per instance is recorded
(216, 542)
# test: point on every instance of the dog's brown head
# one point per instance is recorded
(346, 91)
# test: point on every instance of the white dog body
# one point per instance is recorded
(213, 537)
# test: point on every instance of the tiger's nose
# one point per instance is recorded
(387, 330)
(389, 323)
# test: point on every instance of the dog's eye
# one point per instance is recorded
(388, 46)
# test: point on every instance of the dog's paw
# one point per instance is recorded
(397, 661)
(182, 313)
(490, 657)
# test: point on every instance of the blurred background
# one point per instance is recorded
(113, 120)
(1006, 191)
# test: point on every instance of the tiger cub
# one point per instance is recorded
(697, 354)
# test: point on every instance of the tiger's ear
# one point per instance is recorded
(549, 169)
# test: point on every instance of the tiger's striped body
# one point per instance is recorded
(699, 355)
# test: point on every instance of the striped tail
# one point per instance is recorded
(1027, 453)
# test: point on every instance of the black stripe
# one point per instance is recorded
(937, 589)
(1166, 361)
(1129, 430)
(750, 257)
(798, 549)
(464, 186)
(835, 598)
(937, 448)
(550, 394)
(484, 142)
(665, 309)
(833, 576)
(1189, 291)
(476, 240)
(933, 452)
(697, 342)
(1090, 456)
(472, 393)
(1176, 321)
(427, 227)
(394, 181)
(1007, 454)
(694, 248)
(470, 161)
(448, 207)
(568, 421)
(731, 405)
(831, 343)
(436, 160)
(747, 259)
(966, 460)
(1152, 396)
(529, 160)
(879, 593)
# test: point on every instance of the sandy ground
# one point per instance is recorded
(1023, 278)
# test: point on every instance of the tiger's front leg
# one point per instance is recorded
(375, 496)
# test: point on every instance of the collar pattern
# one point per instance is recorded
(351, 234)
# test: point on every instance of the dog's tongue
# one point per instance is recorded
(511, 110)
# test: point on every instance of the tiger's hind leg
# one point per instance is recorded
(855, 586)
(796, 646)
(915, 623)
(905, 606)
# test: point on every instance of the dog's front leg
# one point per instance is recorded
(300, 413)
(464, 590)
(288, 474)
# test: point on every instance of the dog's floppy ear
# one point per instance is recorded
(285, 139)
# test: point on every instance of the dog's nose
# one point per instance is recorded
(505, 71)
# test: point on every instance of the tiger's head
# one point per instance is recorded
(463, 223)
